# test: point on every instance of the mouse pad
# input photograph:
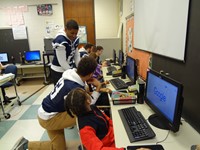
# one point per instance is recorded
(152, 147)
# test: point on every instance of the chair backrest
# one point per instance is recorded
(11, 69)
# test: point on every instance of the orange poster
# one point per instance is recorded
(142, 57)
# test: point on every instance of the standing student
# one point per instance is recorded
(86, 50)
(95, 128)
(52, 115)
(66, 54)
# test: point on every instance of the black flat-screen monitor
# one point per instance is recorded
(121, 58)
(32, 56)
(131, 69)
(114, 56)
(4, 57)
(164, 96)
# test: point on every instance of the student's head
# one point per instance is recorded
(71, 29)
(77, 102)
(88, 47)
(86, 67)
(99, 50)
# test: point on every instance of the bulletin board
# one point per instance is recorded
(143, 58)
(11, 46)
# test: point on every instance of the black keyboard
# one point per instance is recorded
(152, 147)
(117, 83)
(111, 68)
(135, 125)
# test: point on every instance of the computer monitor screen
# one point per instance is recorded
(121, 58)
(31, 56)
(3, 57)
(164, 96)
(114, 56)
(131, 70)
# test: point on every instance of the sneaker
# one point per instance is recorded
(21, 144)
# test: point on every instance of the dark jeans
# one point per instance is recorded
(55, 76)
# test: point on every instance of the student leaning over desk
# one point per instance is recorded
(52, 114)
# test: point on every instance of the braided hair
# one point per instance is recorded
(75, 102)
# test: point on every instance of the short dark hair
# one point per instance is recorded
(75, 102)
(86, 66)
(88, 45)
(71, 24)
(98, 48)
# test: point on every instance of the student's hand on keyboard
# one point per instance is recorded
(107, 90)
(95, 83)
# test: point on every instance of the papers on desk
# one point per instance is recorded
(123, 97)
(4, 76)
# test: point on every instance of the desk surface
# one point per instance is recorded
(182, 140)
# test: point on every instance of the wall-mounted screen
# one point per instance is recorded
(160, 27)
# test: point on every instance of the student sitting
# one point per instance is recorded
(96, 129)
(86, 50)
(52, 115)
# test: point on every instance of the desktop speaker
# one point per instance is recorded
(140, 98)
(123, 76)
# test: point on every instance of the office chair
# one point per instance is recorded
(81, 146)
(9, 69)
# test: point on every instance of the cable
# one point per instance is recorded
(164, 138)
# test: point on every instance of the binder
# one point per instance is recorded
(123, 97)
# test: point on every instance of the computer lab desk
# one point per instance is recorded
(181, 140)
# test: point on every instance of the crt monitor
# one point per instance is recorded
(121, 58)
(131, 69)
(164, 96)
(4, 57)
(31, 56)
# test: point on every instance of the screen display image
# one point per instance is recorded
(164, 96)
(131, 69)
(31, 56)
(3, 57)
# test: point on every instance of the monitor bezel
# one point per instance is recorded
(114, 56)
(32, 51)
(121, 53)
(7, 57)
(135, 69)
(171, 125)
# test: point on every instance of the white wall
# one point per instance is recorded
(107, 25)
(107, 21)
(36, 25)
(106, 18)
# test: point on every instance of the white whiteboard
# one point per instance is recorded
(160, 26)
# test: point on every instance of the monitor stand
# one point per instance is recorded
(158, 122)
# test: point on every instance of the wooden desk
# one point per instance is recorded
(3, 79)
(182, 140)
